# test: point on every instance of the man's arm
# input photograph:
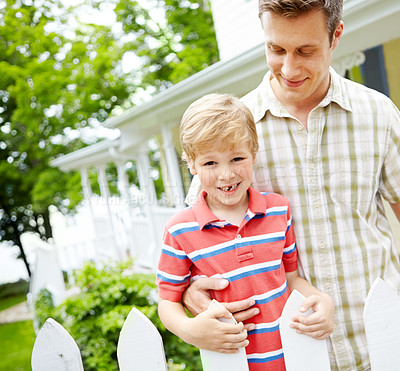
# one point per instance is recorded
(396, 210)
(197, 298)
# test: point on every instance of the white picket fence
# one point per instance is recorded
(140, 345)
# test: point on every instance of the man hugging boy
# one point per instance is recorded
(236, 233)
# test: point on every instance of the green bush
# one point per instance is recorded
(94, 317)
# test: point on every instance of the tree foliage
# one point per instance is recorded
(59, 80)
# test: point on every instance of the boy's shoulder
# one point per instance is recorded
(180, 217)
(274, 199)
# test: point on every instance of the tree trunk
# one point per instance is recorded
(18, 242)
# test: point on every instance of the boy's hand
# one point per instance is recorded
(320, 324)
(197, 298)
(205, 331)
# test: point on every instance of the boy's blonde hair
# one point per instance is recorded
(217, 120)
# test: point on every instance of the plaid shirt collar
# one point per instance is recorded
(267, 101)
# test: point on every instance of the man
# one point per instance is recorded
(332, 147)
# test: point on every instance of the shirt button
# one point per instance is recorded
(238, 236)
(300, 127)
(322, 245)
(312, 166)
(316, 204)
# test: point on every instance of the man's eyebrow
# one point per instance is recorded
(270, 43)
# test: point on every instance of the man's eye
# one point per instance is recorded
(306, 52)
(275, 49)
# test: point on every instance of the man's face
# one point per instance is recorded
(299, 53)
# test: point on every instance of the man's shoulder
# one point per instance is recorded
(357, 91)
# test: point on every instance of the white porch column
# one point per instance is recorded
(105, 193)
(123, 184)
(102, 178)
(174, 174)
(86, 187)
(145, 180)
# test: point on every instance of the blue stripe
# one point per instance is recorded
(213, 253)
(260, 241)
(265, 359)
(184, 230)
(169, 280)
(264, 330)
(253, 272)
(170, 253)
(274, 213)
(272, 297)
(290, 251)
(237, 245)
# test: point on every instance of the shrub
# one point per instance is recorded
(94, 317)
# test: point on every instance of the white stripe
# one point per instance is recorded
(286, 249)
(276, 209)
(173, 250)
(176, 227)
(265, 355)
(269, 293)
(172, 276)
(268, 324)
(251, 268)
(223, 245)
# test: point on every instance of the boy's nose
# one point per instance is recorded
(226, 173)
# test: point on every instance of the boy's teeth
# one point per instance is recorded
(229, 188)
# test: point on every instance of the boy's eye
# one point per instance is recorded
(209, 163)
(237, 159)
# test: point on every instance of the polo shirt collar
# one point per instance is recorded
(204, 216)
(263, 99)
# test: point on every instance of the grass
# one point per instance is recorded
(9, 301)
(16, 341)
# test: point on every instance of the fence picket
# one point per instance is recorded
(55, 349)
(302, 352)
(382, 327)
(140, 345)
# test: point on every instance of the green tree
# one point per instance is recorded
(51, 85)
(58, 79)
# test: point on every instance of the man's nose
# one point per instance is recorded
(291, 67)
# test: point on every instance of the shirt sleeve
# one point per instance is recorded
(390, 176)
(290, 250)
(173, 273)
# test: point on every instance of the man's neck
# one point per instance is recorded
(300, 109)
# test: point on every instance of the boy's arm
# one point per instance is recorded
(204, 331)
(320, 324)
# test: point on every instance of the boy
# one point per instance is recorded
(236, 233)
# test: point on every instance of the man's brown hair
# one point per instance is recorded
(333, 10)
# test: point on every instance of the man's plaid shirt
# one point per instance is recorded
(334, 174)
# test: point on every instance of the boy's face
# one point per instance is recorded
(225, 176)
(299, 53)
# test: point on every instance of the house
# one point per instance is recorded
(132, 224)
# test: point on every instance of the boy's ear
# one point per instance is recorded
(191, 167)
(190, 163)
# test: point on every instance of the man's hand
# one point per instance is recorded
(197, 298)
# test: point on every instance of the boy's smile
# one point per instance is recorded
(226, 177)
